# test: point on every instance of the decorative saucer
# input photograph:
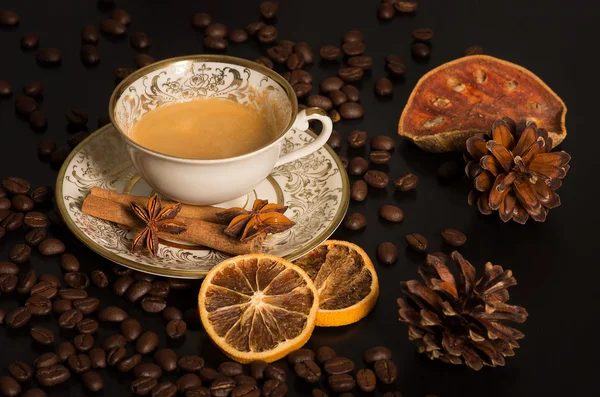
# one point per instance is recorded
(315, 188)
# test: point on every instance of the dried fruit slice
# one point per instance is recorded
(258, 307)
(461, 98)
(345, 279)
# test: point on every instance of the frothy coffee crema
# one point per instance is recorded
(205, 129)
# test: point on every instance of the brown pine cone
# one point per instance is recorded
(461, 321)
(514, 172)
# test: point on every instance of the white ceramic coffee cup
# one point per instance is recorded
(204, 182)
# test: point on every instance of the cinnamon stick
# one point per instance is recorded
(203, 213)
(198, 232)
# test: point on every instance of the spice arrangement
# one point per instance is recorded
(259, 308)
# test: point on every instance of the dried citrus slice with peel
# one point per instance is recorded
(258, 307)
(345, 279)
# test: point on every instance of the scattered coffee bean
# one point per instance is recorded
(121, 285)
(16, 185)
(366, 380)
(34, 89)
(386, 11)
(230, 368)
(268, 9)
(337, 97)
(214, 43)
(20, 202)
(176, 329)
(406, 6)
(308, 370)
(140, 40)
(331, 84)
(304, 50)
(335, 140)
(350, 110)
(341, 383)
(187, 381)
(352, 93)
(338, 365)
(129, 363)
(46, 360)
(319, 101)
(97, 358)
(267, 34)
(41, 335)
(30, 41)
(87, 326)
(9, 387)
(216, 30)
(416, 242)
(364, 62)
(423, 34)
(8, 283)
(208, 374)
(77, 117)
(379, 157)
(391, 213)
(358, 190)
(36, 220)
(344, 161)
(172, 313)
(420, 50)
(222, 386)
(20, 253)
(83, 342)
(44, 288)
(166, 359)
(46, 147)
(27, 281)
(5, 203)
(357, 138)
(383, 87)
(25, 105)
(265, 62)
(18, 317)
(257, 369)
(51, 246)
(86, 305)
(8, 18)
(143, 386)
(115, 355)
(387, 253)
(300, 355)
(238, 36)
(79, 363)
(376, 179)
(377, 353)
(5, 88)
(52, 279)
(120, 74)
(49, 56)
(274, 388)
(201, 20)
(89, 34)
(350, 73)
(52, 376)
(64, 350)
(142, 60)
(121, 16)
(395, 65)
(191, 363)
(70, 318)
(89, 54)
(453, 237)
(59, 155)
(114, 340)
(92, 381)
(330, 52)
(137, 290)
(77, 280)
(20, 371)
(112, 314)
(407, 182)
(39, 305)
(253, 28)
(58, 306)
(146, 342)
(152, 304)
(112, 27)
(448, 170)
(69, 263)
(473, 50)
(42, 194)
(324, 354)
(386, 371)
(295, 62)
(275, 372)
(358, 166)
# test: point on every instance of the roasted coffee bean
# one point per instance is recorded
(39, 305)
(77, 117)
(422, 34)
(52, 376)
(50, 278)
(448, 170)
(319, 101)
(69, 263)
(121, 16)
(376, 179)
(331, 84)
(386, 371)
(172, 313)
(387, 253)
(143, 386)
(254, 27)
(92, 381)
(208, 374)
(30, 41)
(406, 6)
(407, 182)
(366, 380)
(112, 314)
(350, 73)
(34, 89)
(337, 97)
(83, 342)
(299, 76)
(64, 350)
(137, 290)
(121, 73)
(44, 288)
(274, 388)
(146, 342)
(38, 120)
(338, 365)
(244, 380)
(24, 105)
(87, 305)
(77, 280)
(335, 140)
(265, 62)
(79, 363)
(14, 184)
(114, 340)
(353, 48)
(473, 50)
(353, 36)
(51, 246)
(21, 371)
(357, 138)
(341, 383)
(305, 51)
(5, 88)
(8, 283)
(72, 293)
(215, 43)
(97, 358)
(140, 40)
(27, 281)
(302, 89)
(35, 220)
(358, 166)
(112, 27)
(395, 65)
(364, 62)
(275, 372)
(46, 360)
(453, 237)
(308, 370)
(70, 318)
(36, 392)
(176, 329)
(5, 203)
(377, 353)
(246, 390)
(142, 60)
(350, 110)
(222, 386)
(300, 355)
(87, 326)
(36, 236)
(8, 18)
(294, 62)
(238, 36)
(200, 20)
(416, 242)
(20, 253)
(257, 369)
(187, 381)
(46, 147)
(330, 52)
(391, 213)
(48, 56)
(8, 268)
(379, 157)
(383, 87)
(9, 387)
(58, 306)
(334, 115)
(20, 202)
(267, 34)
(191, 363)
(166, 359)
(89, 54)
(121, 285)
(89, 34)
(268, 9)
(147, 370)
(115, 355)
(420, 50)
(59, 155)
(152, 304)
(42, 335)
(129, 363)
(160, 289)
(18, 317)
(386, 11)
(216, 30)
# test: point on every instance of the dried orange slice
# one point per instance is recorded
(345, 279)
(461, 98)
(258, 307)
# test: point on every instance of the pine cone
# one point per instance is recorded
(515, 171)
(461, 321)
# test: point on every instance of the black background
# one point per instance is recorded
(554, 262)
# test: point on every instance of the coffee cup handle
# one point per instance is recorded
(301, 124)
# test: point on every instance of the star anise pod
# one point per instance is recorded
(263, 217)
(156, 219)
